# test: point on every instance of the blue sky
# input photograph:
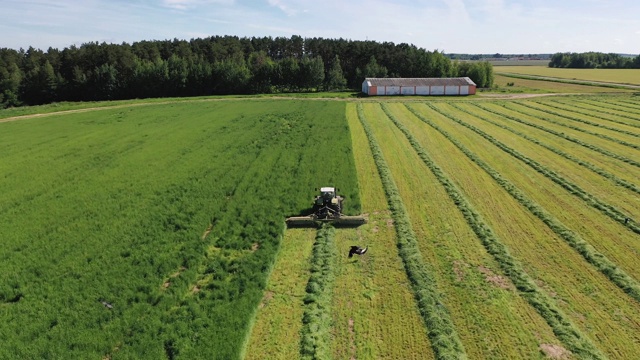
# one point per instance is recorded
(453, 26)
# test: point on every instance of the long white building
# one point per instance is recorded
(419, 86)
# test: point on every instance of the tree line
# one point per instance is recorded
(594, 60)
(213, 65)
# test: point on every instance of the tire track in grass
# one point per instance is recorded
(445, 340)
(583, 105)
(588, 252)
(609, 210)
(572, 108)
(553, 121)
(573, 339)
(562, 135)
(316, 329)
(618, 181)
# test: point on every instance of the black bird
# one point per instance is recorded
(357, 250)
(626, 220)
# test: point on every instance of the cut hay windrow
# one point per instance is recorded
(590, 112)
(444, 337)
(553, 121)
(316, 329)
(583, 121)
(626, 104)
(588, 252)
(607, 209)
(630, 111)
(586, 164)
(568, 333)
(559, 134)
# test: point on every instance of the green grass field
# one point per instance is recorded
(499, 228)
(149, 232)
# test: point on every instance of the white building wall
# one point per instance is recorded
(392, 90)
(451, 90)
(437, 90)
(370, 89)
(422, 90)
(408, 90)
(365, 87)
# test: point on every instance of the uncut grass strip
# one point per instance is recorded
(550, 120)
(597, 259)
(316, 329)
(444, 337)
(607, 209)
(561, 135)
(595, 169)
(589, 112)
(567, 332)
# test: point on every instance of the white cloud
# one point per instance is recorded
(188, 4)
(283, 7)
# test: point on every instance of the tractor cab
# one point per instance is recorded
(327, 197)
(327, 208)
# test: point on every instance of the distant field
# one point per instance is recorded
(541, 86)
(618, 76)
(520, 63)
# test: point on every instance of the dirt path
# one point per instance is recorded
(64, 112)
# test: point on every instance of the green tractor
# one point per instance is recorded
(327, 208)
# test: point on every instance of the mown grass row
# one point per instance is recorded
(626, 108)
(627, 104)
(560, 134)
(613, 107)
(315, 337)
(589, 112)
(607, 209)
(551, 120)
(444, 337)
(584, 105)
(595, 169)
(562, 327)
(597, 259)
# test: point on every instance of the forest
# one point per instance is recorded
(215, 65)
(594, 60)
